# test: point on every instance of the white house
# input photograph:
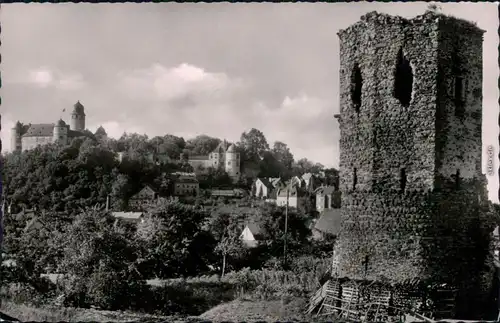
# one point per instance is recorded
(251, 235)
(295, 197)
(309, 181)
(133, 217)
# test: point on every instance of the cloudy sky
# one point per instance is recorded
(189, 69)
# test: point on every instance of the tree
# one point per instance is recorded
(270, 166)
(304, 165)
(225, 225)
(272, 221)
(172, 241)
(99, 262)
(254, 144)
(282, 154)
(202, 145)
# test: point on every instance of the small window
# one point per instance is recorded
(457, 179)
(402, 183)
(356, 87)
(403, 80)
(459, 96)
(354, 178)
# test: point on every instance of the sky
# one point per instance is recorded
(189, 69)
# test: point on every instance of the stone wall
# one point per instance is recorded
(34, 141)
(410, 150)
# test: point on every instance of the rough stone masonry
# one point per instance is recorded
(410, 151)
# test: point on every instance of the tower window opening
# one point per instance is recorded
(402, 179)
(356, 86)
(457, 179)
(354, 178)
(403, 80)
(459, 96)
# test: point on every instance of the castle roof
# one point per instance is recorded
(198, 158)
(231, 149)
(47, 130)
(100, 131)
(61, 123)
(40, 130)
(221, 148)
(78, 108)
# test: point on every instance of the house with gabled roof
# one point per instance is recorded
(251, 234)
(291, 194)
(328, 224)
(145, 196)
(309, 181)
(324, 197)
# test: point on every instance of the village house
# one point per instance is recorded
(234, 193)
(130, 217)
(327, 224)
(264, 186)
(251, 235)
(324, 198)
(144, 197)
(295, 196)
(309, 182)
(186, 184)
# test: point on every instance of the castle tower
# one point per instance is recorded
(60, 133)
(410, 150)
(16, 133)
(78, 117)
(232, 166)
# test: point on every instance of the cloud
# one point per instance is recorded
(45, 77)
(184, 82)
(306, 124)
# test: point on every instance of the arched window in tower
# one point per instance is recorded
(403, 79)
(356, 86)
(354, 178)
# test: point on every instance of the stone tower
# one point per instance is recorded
(78, 117)
(410, 150)
(60, 133)
(16, 132)
(232, 166)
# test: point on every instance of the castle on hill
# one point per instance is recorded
(224, 157)
(29, 136)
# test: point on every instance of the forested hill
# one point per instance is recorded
(85, 172)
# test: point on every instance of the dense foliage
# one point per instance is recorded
(59, 224)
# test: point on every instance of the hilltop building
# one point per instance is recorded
(223, 157)
(29, 136)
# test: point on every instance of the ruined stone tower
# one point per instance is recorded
(410, 150)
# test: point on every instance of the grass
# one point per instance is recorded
(26, 313)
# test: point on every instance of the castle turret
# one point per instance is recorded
(60, 133)
(232, 166)
(101, 134)
(78, 117)
(16, 133)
